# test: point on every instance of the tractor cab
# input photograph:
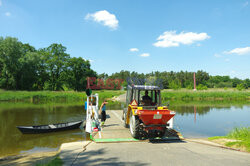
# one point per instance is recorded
(145, 96)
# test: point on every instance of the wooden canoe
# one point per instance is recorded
(49, 128)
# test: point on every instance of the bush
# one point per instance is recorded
(201, 87)
(175, 85)
(224, 84)
(190, 87)
(240, 87)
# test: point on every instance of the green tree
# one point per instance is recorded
(240, 86)
(175, 84)
(10, 52)
(30, 71)
(56, 60)
(236, 81)
(201, 77)
(77, 72)
(246, 83)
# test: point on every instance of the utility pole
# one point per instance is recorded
(194, 82)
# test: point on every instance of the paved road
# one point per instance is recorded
(168, 153)
(186, 152)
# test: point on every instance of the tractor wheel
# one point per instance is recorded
(124, 118)
(134, 124)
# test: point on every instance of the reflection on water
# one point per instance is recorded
(12, 141)
(192, 120)
(207, 121)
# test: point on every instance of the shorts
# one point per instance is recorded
(103, 116)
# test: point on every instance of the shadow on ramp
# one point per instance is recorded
(110, 125)
(157, 141)
(99, 157)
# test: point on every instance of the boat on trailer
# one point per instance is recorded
(50, 127)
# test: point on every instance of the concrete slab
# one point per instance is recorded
(158, 152)
(163, 153)
(68, 151)
(113, 128)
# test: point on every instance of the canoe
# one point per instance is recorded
(49, 128)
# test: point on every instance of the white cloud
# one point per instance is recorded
(239, 51)
(1, 3)
(171, 39)
(145, 55)
(103, 17)
(198, 44)
(7, 14)
(133, 49)
(217, 55)
(227, 60)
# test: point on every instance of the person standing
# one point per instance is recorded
(102, 112)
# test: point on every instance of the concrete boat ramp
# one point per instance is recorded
(115, 146)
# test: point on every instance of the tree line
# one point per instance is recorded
(22, 67)
(184, 79)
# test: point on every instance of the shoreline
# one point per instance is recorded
(117, 95)
(29, 159)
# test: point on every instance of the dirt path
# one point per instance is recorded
(121, 98)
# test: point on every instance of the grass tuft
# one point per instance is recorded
(216, 137)
(241, 135)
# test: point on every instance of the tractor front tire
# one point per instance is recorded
(134, 125)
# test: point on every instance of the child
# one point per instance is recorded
(102, 112)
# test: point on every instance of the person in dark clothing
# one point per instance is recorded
(102, 112)
(146, 99)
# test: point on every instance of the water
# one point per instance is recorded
(207, 121)
(13, 142)
(193, 120)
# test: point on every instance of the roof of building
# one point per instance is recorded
(145, 87)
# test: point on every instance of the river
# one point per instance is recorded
(193, 120)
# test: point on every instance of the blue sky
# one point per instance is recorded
(138, 35)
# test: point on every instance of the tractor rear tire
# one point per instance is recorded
(124, 118)
(134, 124)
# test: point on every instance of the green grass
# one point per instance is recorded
(208, 95)
(53, 96)
(216, 137)
(70, 96)
(55, 162)
(242, 135)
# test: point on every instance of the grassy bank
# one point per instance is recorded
(62, 96)
(207, 95)
(54, 96)
(237, 138)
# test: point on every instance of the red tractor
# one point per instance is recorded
(144, 114)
